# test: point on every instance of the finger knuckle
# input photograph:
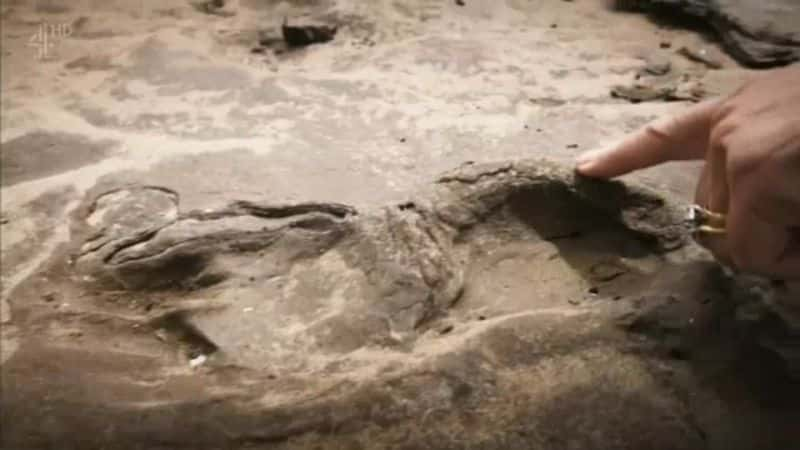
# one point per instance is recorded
(723, 135)
(725, 109)
(659, 130)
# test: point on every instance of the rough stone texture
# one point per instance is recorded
(197, 282)
(758, 34)
(503, 307)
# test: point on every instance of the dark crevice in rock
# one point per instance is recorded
(241, 208)
(473, 177)
(125, 243)
(184, 334)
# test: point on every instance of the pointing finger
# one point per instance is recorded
(681, 137)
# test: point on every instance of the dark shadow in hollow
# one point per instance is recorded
(585, 234)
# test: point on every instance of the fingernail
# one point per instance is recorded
(585, 167)
(588, 156)
(584, 158)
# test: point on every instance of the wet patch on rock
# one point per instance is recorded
(40, 154)
(178, 72)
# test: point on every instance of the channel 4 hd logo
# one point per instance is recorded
(47, 36)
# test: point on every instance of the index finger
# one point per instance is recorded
(676, 138)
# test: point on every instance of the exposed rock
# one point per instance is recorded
(301, 36)
(40, 153)
(757, 34)
(642, 92)
(701, 55)
(657, 64)
(648, 86)
(440, 322)
(213, 7)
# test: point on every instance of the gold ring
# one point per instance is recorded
(705, 229)
(705, 221)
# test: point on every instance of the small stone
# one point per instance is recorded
(573, 302)
(606, 271)
(49, 297)
(665, 44)
(161, 334)
(701, 55)
(593, 290)
(460, 2)
(657, 64)
(553, 25)
(403, 140)
(446, 329)
(198, 361)
(481, 317)
(572, 146)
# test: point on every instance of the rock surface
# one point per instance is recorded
(757, 34)
(206, 247)
(501, 308)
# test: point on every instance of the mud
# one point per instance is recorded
(501, 307)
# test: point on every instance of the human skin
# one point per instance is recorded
(750, 142)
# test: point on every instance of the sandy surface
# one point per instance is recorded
(157, 93)
(403, 93)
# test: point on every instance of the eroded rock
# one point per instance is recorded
(319, 326)
(758, 34)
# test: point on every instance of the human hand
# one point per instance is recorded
(750, 142)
